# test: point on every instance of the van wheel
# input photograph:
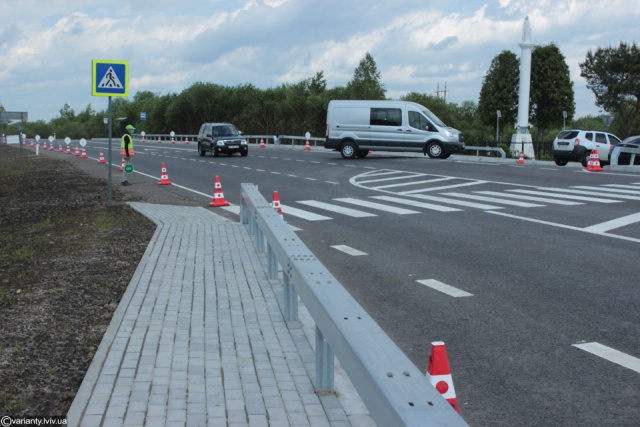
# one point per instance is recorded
(561, 162)
(201, 150)
(434, 150)
(348, 150)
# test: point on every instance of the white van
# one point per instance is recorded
(355, 127)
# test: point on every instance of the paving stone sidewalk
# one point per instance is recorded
(199, 339)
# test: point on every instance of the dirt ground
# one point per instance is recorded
(66, 258)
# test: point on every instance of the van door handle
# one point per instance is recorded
(399, 130)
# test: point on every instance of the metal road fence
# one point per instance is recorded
(395, 392)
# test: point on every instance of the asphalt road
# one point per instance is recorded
(541, 264)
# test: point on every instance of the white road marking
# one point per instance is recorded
(614, 223)
(531, 198)
(610, 354)
(309, 216)
(417, 204)
(455, 202)
(568, 227)
(335, 208)
(349, 250)
(402, 184)
(493, 200)
(444, 288)
(444, 187)
(379, 206)
(565, 196)
(597, 192)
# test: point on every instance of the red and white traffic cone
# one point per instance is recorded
(186, 141)
(173, 141)
(143, 140)
(164, 177)
(60, 150)
(122, 165)
(68, 151)
(51, 148)
(84, 153)
(31, 143)
(218, 195)
(307, 147)
(101, 159)
(77, 153)
(276, 204)
(521, 159)
(44, 145)
(439, 374)
(262, 143)
(159, 142)
(594, 162)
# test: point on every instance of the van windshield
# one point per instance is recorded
(433, 117)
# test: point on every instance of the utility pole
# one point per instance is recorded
(444, 92)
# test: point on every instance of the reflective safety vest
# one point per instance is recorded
(122, 150)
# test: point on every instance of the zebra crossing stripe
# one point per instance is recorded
(494, 200)
(417, 204)
(379, 206)
(530, 198)
(309, 216)
(335, 208)
(566, 196)
(444, 187)
(404, 184)
(456, 202)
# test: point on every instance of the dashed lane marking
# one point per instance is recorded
(349, 250)
(444, 288)
(610, 354)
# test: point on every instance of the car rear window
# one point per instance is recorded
(567, 134)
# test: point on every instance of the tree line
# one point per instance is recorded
(613, 74)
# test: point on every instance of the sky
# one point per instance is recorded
(426, 46)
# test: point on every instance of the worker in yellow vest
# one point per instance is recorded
(126, 150)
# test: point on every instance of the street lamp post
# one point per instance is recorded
(498, 115)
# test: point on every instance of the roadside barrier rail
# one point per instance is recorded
(634, 153)
(303, 140)
(479, 149)
(395, 392)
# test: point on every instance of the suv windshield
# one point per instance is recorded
(225, 131)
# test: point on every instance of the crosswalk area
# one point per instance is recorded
(406, 193)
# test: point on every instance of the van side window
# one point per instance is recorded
(386, 117)
(418, 121)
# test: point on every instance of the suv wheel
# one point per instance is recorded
(561, 162)
(585, 158)
(201, 150)
(243, 153)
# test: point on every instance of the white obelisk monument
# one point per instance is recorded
(521, 140)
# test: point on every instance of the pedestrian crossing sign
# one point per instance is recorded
(109, 78)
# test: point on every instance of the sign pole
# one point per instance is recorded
(110, 163)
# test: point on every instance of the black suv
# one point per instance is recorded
(221, 138)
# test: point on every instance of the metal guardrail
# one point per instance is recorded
(633, 153)
(302, 139)
(395, 392)
(479, 149)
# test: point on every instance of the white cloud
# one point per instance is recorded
(47, 47)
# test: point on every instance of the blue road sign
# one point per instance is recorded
(110, 78)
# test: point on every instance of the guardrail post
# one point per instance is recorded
(290, 299)
(324, 363)
(272, 263)
(259, 241)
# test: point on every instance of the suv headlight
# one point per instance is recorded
(243, 142)
(220, 143)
